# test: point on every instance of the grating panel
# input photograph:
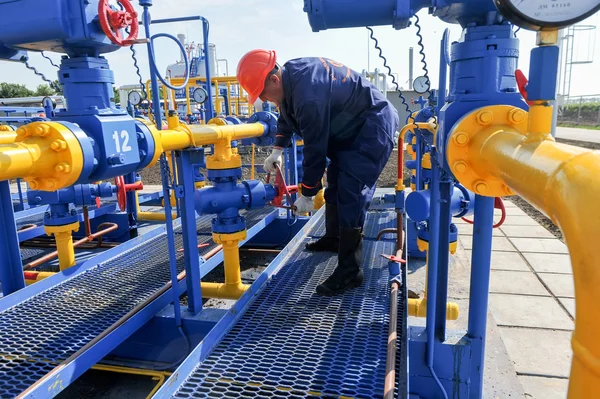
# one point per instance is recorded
(292, 343)
(380, 204)
(37, 219)
(375, 221)
(50, 326)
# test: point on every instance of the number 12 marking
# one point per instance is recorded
(125, 136)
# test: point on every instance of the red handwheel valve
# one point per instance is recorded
(123, 189)
(113, 21)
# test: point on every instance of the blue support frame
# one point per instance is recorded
(185, 192)
(11, 269)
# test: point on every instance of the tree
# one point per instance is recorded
(116, 95)
(44, 90)
(10, 90)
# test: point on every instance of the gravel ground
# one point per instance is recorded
(151, 175)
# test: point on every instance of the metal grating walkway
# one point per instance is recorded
(49, 327)
(374, 222)
(292, 343)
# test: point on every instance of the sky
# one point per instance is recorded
(238, 26)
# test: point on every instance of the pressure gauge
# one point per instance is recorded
(421, 84)
(200, 95)
(134, 97)
(546, 14)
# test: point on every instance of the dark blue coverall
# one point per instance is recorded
(340, 116)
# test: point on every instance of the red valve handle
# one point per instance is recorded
(123, 189)
(113, 21)
(282, 188)
(521, 84)
(498, 204)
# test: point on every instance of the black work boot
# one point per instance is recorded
(347, 274)
(329, 242)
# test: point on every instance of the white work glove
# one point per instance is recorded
(304, 204)
(274, 158)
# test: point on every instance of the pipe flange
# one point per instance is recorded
(61, 159)
(466, 137)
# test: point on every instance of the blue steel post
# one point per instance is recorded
(432, 265)
(185, 177)
(153, 78)
(209, 105)
(21, 202)
(11, 266)
(444, 59)
(480, 286)
(419, 157)
(446, 191)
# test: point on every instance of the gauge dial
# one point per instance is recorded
(134, 97)
(200, 95)
(546, 14)
(421, 84)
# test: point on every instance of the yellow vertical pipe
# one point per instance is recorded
(188, 102)
(64, 243)
(217, 98)
(232, 288)
(166, 100)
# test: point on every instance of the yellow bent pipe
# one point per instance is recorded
(232, 288)
(561, 181)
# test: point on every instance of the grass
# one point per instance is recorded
(566, 124)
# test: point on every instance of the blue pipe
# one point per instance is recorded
(446, 191)
(480, 286)
(153, 80)
(444, 58)
(432, 273)
(419, 155)
(170, 237)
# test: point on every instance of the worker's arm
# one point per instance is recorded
(313, 121)
(283, 137)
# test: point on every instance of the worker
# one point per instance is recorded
(340, 116)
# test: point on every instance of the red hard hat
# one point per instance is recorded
(253, 70)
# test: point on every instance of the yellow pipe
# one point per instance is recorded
(320, 199)
(165, 100)
(431, 126)
(38, 276)
(151, 216)
(188, 102)
(561, 181)
(217, 98)
(418, 306)
(232, 288)
(64, 243)
(7, 134)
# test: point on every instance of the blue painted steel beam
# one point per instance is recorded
(480, 286)
(446, 190)
(233, 315)
(11, 264)
(185, 175)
